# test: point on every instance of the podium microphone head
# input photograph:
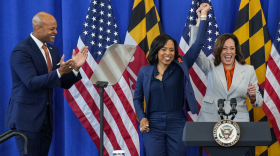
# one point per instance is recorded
(233, 102)
(221, 102)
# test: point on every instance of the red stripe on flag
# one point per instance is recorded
(198, 106)
(272, 120)
(96, 112)
(272, 94)
(274, 69)
(181, 51)
(125, 76)
(115, 114)
(129, 110)
(197, 81)
(87, 69)
(189, 118)
(80, 115)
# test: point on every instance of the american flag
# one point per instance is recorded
(198, 78)
(271, 103)
(120, 124)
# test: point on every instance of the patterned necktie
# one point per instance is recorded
(49, 63)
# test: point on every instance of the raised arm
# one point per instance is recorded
(202, 61)
(196, 47)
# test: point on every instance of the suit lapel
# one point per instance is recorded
(238, 76)
(147, 82)
(183, 67)
(39, 54)
(221, 74)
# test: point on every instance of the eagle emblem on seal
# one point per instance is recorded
(226, 132)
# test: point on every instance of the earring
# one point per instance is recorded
(156, 56)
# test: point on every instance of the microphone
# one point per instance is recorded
(221, 111)
(233, 110)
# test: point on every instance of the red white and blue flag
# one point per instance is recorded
(271, 104)
(198, 78)
(120, 124)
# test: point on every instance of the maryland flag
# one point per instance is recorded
(144, 27)
(252, 32)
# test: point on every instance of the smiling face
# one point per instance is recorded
(166, 54)
(48, 30)
(44, 27)
(228, 53)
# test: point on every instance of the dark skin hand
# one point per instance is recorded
(65, 66)
(80, 57)
(144, 125)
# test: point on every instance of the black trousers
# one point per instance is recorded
(38, 142)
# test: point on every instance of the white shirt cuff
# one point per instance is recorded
(59, 76)
(75, 72)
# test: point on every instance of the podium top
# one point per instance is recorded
(251, 134)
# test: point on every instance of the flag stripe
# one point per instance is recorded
(143, 27)
(91, 121)
(128, 108)
(197, 81)
(120, 127)
(197, 77)
(273, 99)
(115, 113)
(85, 121)
(273, 73)
(93, 100)
(269, 105)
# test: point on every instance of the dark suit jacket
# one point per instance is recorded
(145, 75)
(33, 86)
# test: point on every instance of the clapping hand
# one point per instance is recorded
(80, 58)
(65, 67)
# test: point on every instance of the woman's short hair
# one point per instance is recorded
(159, 43)
(218, 48)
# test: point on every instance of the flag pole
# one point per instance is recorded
(101, 85)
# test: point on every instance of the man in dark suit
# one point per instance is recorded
(36, 68)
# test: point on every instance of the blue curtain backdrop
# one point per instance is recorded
(70, 138)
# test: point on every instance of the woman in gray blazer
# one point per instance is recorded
(228, 76)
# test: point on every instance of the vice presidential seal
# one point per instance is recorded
(226, 132)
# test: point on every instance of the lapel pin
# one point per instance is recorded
(179, 59)
(50, 47)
